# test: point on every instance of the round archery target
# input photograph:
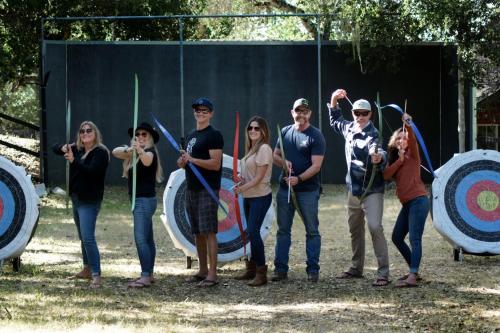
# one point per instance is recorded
(175, 218)
(18, 209)
(466, 201)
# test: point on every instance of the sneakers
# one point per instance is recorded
(279, 276)
(312, 277)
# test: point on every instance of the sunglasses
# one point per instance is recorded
(86, 130)
(255, 128)
(143, 134)
(361, 113)
(204, 111)
(302, 111)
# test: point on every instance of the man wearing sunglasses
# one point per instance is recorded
(204, 150)
(364, 155)
(304, 148)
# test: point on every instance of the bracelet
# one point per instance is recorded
(300, 179)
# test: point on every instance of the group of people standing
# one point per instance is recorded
(299, 152)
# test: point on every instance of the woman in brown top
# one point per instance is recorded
(255, 186)
(404, 168)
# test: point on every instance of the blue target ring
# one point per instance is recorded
(455, 201)
(8, 208)
(14, 209)
(461, 200)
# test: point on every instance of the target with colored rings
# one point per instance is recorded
(466, 201)
(175, 219)
(18, 209)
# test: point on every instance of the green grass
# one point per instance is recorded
(454, 296)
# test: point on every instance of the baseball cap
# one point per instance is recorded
(301, 102)
(203, 101)
(361, 104)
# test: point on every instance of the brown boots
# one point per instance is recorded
(257, 275)
(260, 277)
(250, 271)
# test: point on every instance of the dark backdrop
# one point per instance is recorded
(252, 78)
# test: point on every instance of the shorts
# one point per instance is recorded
(202, 212)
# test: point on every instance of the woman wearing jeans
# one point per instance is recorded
(88, 160)
(255, 186)
(404, 168)
(148, 171)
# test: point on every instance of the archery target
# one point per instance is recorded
(466, 201)
(18, 209)
(175, 219)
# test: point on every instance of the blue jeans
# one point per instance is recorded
(308, 205)
(143, 233)
(85, 216)
(255, 212)
(411, 219)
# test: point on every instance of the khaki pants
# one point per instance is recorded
(371, 208)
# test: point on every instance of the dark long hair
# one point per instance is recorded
(264, 138)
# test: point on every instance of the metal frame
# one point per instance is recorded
(180, 19)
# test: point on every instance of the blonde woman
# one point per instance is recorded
(88, 160)
(404, 169)
(148, 171)
(255, 186)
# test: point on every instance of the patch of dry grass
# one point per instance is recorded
(454, 296)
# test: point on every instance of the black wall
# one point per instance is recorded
(251, 78)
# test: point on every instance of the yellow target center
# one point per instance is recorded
(488, 200)
(221, 215)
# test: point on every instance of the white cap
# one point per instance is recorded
(361, 104)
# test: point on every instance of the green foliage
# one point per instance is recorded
(21, 103)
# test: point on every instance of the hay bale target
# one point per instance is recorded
(18, 209)
(175, 219)
(466, 201)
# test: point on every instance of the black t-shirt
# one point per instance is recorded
(146, 177)
(198, 144)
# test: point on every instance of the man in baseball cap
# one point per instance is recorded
(203, 101)
(365, 199)
(304, 149)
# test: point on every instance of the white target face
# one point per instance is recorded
(18, 209)
(466, 201)
(230, 243)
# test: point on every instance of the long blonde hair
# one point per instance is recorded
(392, 148)
(127, 163)
(97, 140)
(264, 137)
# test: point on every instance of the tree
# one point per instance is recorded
(20, 32)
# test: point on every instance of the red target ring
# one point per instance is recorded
(483, 200)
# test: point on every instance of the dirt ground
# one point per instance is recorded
(453, 297)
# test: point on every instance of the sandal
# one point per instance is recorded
(405, 284)
(195, 278)
(348, 275)
(138, 285)
(96, 283)
(208, 283)
(380, 282)
(404, 277)
(80, 276)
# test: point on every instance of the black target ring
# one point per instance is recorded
(19, 202)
